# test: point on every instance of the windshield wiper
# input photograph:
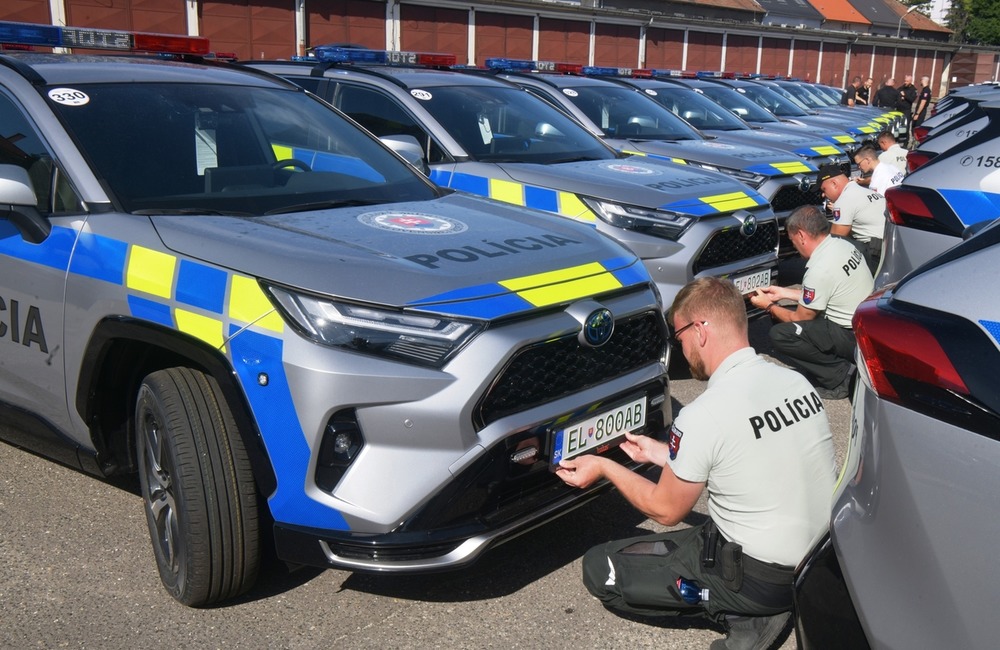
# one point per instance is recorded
(152, 212)
(322, 205)
(571, 159)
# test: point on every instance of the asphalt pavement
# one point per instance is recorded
(76, 571)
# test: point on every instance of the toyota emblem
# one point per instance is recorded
(598, 327)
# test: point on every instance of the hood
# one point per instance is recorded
(643, 182)
(827, 133)
(803, 145)
(457, 255)
(732, 155)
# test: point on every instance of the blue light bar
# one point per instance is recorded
(389, 57)
(607, 71)
(519, 65)
(100, 39)
(28, 34)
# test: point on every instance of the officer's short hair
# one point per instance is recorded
(809, 219)
(711, 299)
(866, 151)
(885, 135)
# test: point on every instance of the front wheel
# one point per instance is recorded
(197, 487)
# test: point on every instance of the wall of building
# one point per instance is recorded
(271, 29)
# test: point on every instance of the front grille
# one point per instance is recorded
(728, 245)
(547, 371)
(791, 197)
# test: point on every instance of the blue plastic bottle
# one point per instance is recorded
(691, 591)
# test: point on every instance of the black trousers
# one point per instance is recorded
(639, 575)
(824, 350)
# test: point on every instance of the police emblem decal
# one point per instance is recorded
(413, 223)
(598, 328)
(625, 168)
(808, 295)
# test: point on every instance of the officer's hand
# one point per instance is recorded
(643, 449)
(581, 471)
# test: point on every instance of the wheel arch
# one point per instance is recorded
(119, 354)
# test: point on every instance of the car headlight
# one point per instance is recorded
(378, 331)
(743, 176)
(659, 223)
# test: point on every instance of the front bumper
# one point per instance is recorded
(489, 502)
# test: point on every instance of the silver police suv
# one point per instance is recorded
(489, 137)
(908, 557)
(213, 279)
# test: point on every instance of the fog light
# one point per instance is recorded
(342, 443)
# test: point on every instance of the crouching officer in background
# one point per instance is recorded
(759, 439)
(817, 335)
(858, 212)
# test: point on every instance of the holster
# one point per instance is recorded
(731, 561)
(725, 557)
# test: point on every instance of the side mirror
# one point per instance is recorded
(408, 149)
(17, 204)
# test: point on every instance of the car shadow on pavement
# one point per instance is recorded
(516, 564)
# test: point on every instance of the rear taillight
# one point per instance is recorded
(931, 362)
(894, 347)
(915, 159)
(923, 209)
(920, 133)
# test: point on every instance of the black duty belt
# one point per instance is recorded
(764, 582)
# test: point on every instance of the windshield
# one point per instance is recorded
(507, 124)
(624, 113)
(773, 101)
(803, 95)
(739, 104)
(696, 109)
(212, 148)
(831, 94)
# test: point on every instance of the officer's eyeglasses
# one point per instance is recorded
(676, 336)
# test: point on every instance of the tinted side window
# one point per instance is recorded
(383, 116)
(21, 145)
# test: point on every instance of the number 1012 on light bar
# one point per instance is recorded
(597, 432)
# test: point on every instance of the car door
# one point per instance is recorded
(33, 276)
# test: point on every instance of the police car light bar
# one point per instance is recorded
(389, 57)
(657, 72)
(526, 65)
(602, 71)
(100, 39)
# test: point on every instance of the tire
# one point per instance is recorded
(197, 488)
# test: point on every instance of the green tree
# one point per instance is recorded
(975, 21)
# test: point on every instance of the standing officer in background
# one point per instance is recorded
(923, 101)
(858, 212)
(887, 96)
(907, 95)
(758, 438)
(817, 335)
(851, 93)
(862, 96)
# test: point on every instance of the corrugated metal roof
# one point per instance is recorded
(745, 5)
(878, 12)
(798, 8)
(840, 11)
